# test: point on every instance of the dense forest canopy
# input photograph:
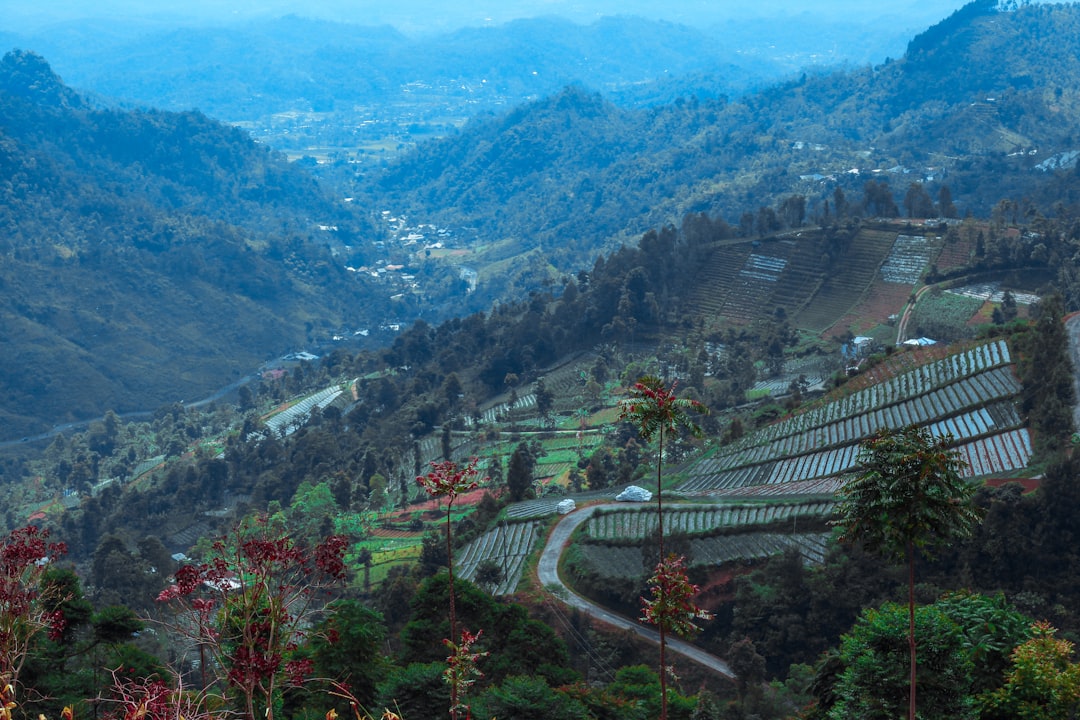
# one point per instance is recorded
(134, 241)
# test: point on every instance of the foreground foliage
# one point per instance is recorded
(909, 498)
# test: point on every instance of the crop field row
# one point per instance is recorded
(919, 381)
(756, 545)
(763, 267)
(981, 421)
(507, 545)
(551, 470)
(841, 437)
(541, 507)
(1000, 452)
(907, 260)
(286, 421)
(628, 561)
(614, 562)
(772, 472)
(817, 486)
(493, 413)
(637, 524)
(837, 295)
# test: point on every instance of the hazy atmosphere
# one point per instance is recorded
(432, 16)
(539, 359)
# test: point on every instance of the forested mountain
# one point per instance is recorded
(146, 255)
(150, 257)
(983, 102)
(247, 71)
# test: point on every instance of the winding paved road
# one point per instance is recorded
(548, 572)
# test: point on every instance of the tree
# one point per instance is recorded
(545, 401)
(27, 602)
(945, 203)
(917, 202)
(529, 698)
(1042, 684)
(448, 480)
(872, 684)
(250, 605)
(908, 498)
(519, 473)
(653, 409)
(348, 646)
(488, 574)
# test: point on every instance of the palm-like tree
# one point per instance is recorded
(448, 480)
(909, 497)
(654, 410)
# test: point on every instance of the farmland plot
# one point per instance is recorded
(960, 368)
(756, 545)
(614, 562)
(627, 562)
(507, 545)
(909, 257)
(967, 395)
(638, 524)
(1001, 452)
(288, 420)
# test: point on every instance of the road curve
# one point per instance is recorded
(548, 573)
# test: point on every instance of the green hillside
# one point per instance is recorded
(152, 257)
(983, 105)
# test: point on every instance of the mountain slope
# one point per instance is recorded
(151, 257)
(246, 71)
(978, 103)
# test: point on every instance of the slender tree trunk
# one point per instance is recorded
(663, 673)
(911, 627)
(453, 613)
(660, 497)
(660, 535)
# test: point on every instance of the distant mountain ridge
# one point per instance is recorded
(152, 255)
(256, 69)
(987, 97)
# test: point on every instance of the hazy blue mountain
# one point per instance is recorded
(982, 103)
(255, 69)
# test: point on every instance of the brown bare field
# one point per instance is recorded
(883, 300)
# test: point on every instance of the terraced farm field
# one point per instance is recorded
(969, 395)
(627, 562)
(837, 295)
(507, 546)
(639, 523)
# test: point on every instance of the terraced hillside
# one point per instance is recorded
(638, 523)
(715, 534)
(843, 290)
(507, 547)
(968, 395)
(744, 280)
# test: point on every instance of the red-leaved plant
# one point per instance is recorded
(654, 410)
(449, 480)
(27, 603)
(672, 610)
(155, 699)
(250, 604)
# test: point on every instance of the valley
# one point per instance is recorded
(573, 377)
